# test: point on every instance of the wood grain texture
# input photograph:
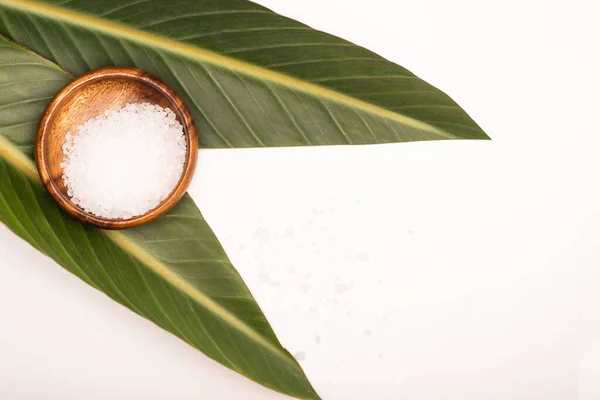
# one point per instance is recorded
(89, 96)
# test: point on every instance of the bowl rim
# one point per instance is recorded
(182, 112)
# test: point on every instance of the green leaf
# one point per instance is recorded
(252, 77)
(173, 271)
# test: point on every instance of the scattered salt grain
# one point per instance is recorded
(124, 162)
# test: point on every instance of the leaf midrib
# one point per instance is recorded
(24, 164)
(120, 31)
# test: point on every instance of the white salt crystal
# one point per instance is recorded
(124, 162)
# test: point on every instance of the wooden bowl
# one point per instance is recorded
(89, 96)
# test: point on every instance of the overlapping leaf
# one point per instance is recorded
(251, 77)
(173, 271)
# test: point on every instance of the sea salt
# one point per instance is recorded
(124, 162)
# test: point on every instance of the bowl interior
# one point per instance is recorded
(89, 97)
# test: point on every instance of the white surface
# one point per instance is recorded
(457, 270)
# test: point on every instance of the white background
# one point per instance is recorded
(448, 270)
